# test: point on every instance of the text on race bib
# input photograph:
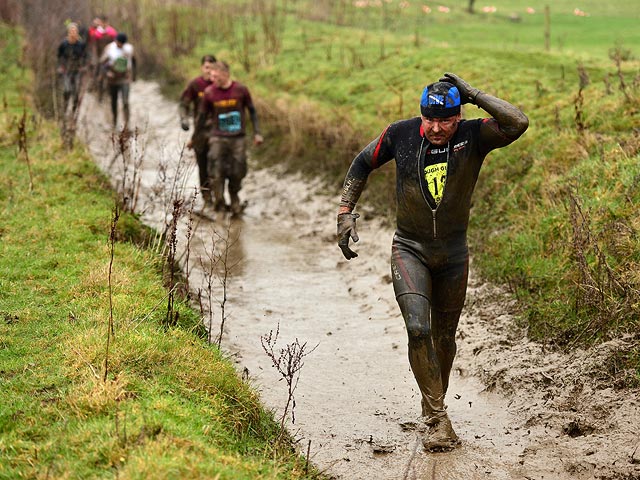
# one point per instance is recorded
(436, 177)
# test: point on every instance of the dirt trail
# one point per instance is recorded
(357, 402)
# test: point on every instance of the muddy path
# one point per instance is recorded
(521, 411)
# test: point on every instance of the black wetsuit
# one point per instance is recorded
(430, 256)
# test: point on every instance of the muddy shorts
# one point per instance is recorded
(227, 157)
(439, 277)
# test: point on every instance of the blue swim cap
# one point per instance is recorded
(440, 100)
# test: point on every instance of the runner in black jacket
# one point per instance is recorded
(438, 158)
(72, 61)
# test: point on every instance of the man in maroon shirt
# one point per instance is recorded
(224, 103)
(189, 105)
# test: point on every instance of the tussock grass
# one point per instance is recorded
(171, 405)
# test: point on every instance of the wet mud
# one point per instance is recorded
(520, 411)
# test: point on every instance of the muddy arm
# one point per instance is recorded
(371, 157)
(352, 188)
(61, 59)
(512, 122)
(200, 125)
(351, 191)
(134, 68)
(253, 115)
(184, 111)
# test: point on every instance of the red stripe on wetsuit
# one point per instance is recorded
(376, 152)
(493, 124)
(404, 272)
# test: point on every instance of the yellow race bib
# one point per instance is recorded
(436, 177)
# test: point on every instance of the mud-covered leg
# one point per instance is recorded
(77, 79)
(125, 104)
(428, 371)
(238, 170)
(423, 356)
(65, 103)
(113, 92)
(201, 152)
(66, 93)
(215, 169)
(444, 333)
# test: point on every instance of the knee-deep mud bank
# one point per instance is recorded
(521, 412)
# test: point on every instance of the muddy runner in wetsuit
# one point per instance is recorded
(189, 107)
(438, 158)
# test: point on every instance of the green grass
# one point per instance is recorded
(340, 74)
(171, 406)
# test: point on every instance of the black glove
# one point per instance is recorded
(184, 124)
(468, 94)
(346, 230)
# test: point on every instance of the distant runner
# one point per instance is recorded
(225, 103)
(72, 61)
(189, 107)
(438, 158)
(100, 35)
(120, 65)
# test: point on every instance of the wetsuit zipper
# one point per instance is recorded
(434, 211)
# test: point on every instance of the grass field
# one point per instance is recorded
(150, 401)
(553, 216)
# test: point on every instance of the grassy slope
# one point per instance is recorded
(171, 406)
(332, 88)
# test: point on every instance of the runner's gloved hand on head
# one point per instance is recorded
(346, 230)
(468, 94)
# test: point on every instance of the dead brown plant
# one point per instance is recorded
(217, 265)
(578, 102)
(23, 147)
(288, 361)
(111, 330)
(171, 317)
(604, 297)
